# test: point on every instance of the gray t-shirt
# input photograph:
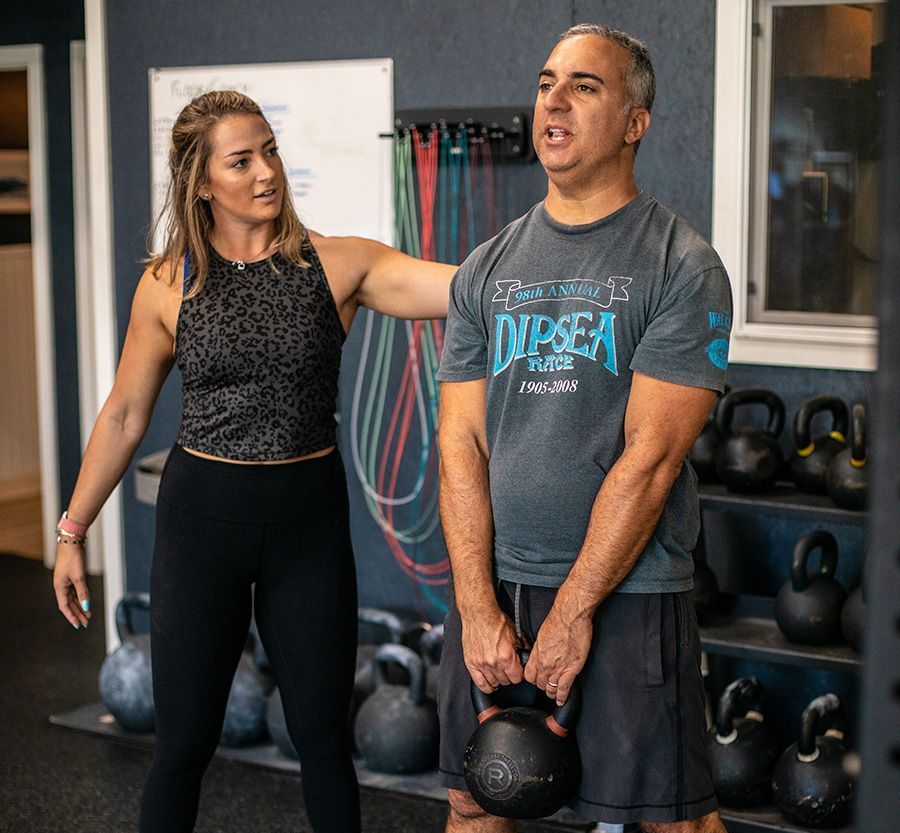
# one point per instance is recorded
(556, 318)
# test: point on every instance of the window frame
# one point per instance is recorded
(735, 146)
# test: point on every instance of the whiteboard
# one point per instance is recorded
(327, 117)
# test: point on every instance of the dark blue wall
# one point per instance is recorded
(54, 23)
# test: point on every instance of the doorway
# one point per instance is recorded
(29, 479)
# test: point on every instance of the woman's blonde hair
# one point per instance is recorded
(188, 218)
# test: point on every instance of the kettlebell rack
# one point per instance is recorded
(750, 633)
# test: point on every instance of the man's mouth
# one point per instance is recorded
(557, 134)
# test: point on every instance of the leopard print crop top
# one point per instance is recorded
(259, 354)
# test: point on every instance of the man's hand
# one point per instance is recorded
(559, 653)
(489, 648)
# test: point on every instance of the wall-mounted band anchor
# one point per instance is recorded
(508, 128)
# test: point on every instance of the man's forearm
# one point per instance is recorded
(467, 522)
(624, 515)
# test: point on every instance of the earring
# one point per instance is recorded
(206, 197)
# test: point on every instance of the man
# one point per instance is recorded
(584, 349)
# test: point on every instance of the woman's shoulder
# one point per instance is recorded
(161, 280)
(345, 261)
(349, 256)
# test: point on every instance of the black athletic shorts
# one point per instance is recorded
(642, 724)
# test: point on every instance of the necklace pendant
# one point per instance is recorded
(239, 265)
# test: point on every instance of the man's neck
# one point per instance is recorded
(576, 206)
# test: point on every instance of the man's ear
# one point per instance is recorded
(638, 125)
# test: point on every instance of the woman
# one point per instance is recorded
(253, 491)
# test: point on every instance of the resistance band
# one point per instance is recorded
(435, 219)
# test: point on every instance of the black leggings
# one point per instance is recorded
(220, 528)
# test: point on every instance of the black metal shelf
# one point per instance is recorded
(783, 499)
(765, 818)
(757, 638)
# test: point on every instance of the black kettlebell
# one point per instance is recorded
(810, 785)
(397, 726)
(808, 607)
(391, 626)
(277, 726)
(245, 712)
(749, 460)
(845, 477)
(812, 455)
(741, 749)
(520, 762)
(126, 683)
(853, 619)
(702, 455)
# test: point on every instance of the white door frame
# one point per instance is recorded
(30, 58)
(84, 293)
(98, 317)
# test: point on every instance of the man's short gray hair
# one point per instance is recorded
(640, 80)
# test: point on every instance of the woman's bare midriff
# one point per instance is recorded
(312, 456)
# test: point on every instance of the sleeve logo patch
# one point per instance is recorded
(717, 351)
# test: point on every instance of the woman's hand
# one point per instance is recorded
(70, 584)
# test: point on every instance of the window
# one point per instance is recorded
(796, 183)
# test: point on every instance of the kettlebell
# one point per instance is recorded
(364, 681)
(126, 683)
(702, 455)
(853, 619)
(749, 460)
(397, 726)
(808, 607)
(810, 785)
(245, 712)
(845, 477)
(277, 725)
(812, 455)
(741, 750)
(520, 762)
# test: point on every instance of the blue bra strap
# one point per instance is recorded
(187, 268)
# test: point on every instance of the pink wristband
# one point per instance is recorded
(68, 525)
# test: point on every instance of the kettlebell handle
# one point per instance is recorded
(827, 706)
(128, 603)
(750, 396)
(407, 658)
(431, 642)
(564, 717)
(388, 620)
(803, 422)
(742, 695)
(802, 549)
(858, 436)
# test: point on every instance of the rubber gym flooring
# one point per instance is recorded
(54, 779)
